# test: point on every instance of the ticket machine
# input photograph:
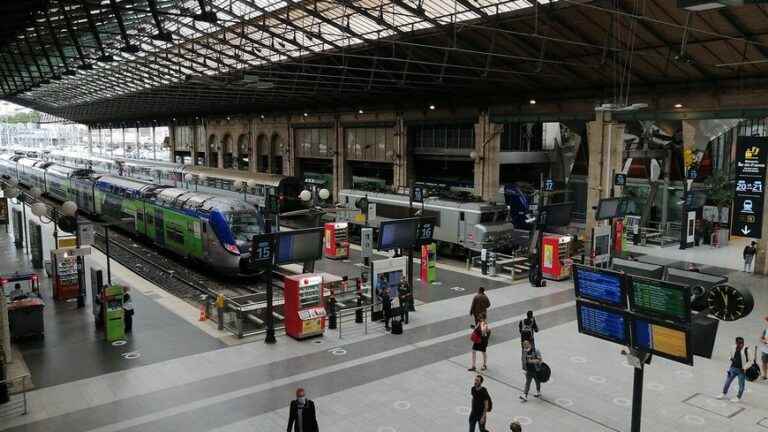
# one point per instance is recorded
(114, 326)
(336, 240)
(303, 308)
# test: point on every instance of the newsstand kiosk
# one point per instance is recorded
(303, 307)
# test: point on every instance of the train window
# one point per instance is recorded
(487, 217)
(461, 216)
(434, 215)
(175, 234)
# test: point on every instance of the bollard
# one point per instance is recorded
(332, 318)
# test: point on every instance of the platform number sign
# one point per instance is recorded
(549, 185)
(262, 248)
(620, 179)
(425, 230)
(750, 183)
(417, 194)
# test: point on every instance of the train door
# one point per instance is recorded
(462, 228)
(159, 228)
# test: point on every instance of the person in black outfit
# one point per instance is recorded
(404, 296)
(481, 404)
(128, 313)
(527, 328)
(386, 305)
(302, 416)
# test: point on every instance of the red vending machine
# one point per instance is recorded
(555, 259)
(336, 240)
(303, 308)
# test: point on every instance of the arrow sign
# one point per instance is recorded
(745, 230)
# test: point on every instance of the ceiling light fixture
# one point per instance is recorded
(432, 107)
(678, 105)
(532, 101)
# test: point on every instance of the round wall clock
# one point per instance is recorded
(729, 303)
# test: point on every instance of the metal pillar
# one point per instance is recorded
(637, 398)
(106, 248)
(154, 145)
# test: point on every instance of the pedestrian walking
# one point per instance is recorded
(532, 360)
(481, 405)
(738, 362)
(480, 304)
(764, 349)
(127, 313)
(515, 426)
(480, 335)
(386, 305)
(527, 328)
(404, 295)
(749, 254)
(301, 414)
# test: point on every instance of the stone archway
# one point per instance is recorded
(276, 151)
(213, 151)
(243, 152)
(262, 153)
(228, 145)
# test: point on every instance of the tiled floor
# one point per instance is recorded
(418, 381)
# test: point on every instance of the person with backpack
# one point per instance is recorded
(527, 328)
(739, 361)
(532, 361)
(481, 405)
(480, 335)
(764, 349)
(749, 254)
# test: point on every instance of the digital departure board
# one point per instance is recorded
(604, 323)
(660, 299)
(600, 285)
(397, 234)
(662, 339)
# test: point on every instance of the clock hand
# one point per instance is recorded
(725, 299)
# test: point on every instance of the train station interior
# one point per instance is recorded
(305, 215)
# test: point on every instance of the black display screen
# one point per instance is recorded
(604, 323)
(397, 234)
(299, 246)
(600, 285)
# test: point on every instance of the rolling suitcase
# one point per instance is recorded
(397, 326)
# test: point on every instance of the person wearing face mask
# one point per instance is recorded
(302, 416)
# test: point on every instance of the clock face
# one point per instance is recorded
(728, 303)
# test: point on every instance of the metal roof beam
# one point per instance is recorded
(95, 32)
(127, 47)
(84, 65)
(162, 35)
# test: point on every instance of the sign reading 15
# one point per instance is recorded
(263, 250)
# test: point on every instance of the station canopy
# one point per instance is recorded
(108, 61)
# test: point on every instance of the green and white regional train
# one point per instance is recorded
(204, 227)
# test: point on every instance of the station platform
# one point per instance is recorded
(191, 378)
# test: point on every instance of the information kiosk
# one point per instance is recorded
(303, 307)
(114, 326)
(428, 267)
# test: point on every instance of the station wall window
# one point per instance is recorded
(184, 137)
(522, 137)
(443, 136)
(314, 142)
(366, 143)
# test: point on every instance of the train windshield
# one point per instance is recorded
(245, 224)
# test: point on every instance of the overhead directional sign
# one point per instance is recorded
(750, 186)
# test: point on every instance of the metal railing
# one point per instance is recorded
(17, 390)
(348, 317)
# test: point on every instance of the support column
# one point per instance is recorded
(605, 142)
(341, 176)
(289, 153)
(487, 147)
(122, 144)
(172, 143)
(401, 160)
(90, 141)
